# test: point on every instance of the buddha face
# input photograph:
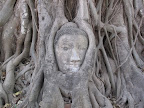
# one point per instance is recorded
(70, 51)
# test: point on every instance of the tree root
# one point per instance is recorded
(27, 68)
(10, 68)
(106, 81)
(35, 28)
(24, 20)
(108, 68)
(6, 11)
(3, 96)
(101, 100)
(8, 36)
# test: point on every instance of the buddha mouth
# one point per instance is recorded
(74, 67)
(74, 64)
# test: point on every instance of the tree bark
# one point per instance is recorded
(111, 74)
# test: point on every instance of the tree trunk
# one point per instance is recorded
(107, 44)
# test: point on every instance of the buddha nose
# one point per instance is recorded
(75, 56)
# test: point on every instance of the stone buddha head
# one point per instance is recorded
(71, 44)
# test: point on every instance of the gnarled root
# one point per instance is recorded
(8, 36)
(95, 94)
(10, 68)
(6, 11)
(3, 96)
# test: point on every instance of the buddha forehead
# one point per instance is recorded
(72, 40)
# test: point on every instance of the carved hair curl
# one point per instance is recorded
(69, 28)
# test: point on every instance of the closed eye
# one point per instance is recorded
(65, 48)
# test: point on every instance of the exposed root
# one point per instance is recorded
(101, 99)
(3, 96)
(112, 69)
(6, 11)
(24, 20)
(8, 36)
(35, 29)
(10, 68)
(109, 68)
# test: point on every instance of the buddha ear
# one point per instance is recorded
(82, 12)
